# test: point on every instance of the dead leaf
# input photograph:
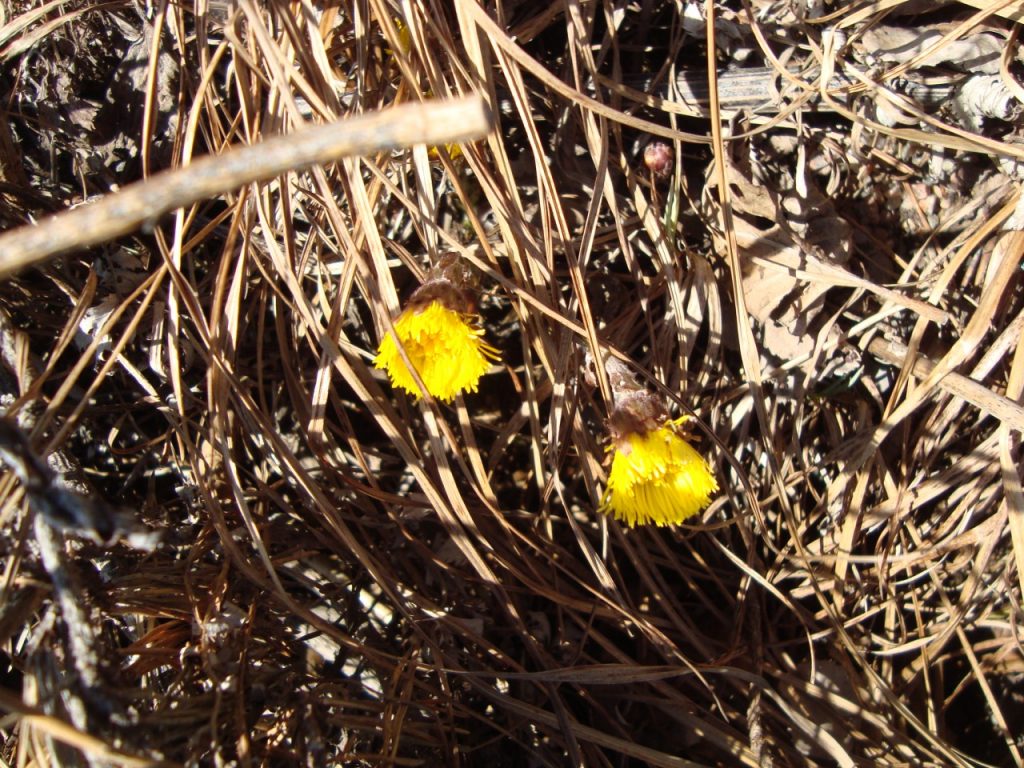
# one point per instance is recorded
(978, 53)
(781, 234)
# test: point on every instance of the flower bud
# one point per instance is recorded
(660, 159)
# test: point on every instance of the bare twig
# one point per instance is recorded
(432, 122)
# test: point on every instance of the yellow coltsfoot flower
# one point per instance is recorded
(440, 338)
(656, 476)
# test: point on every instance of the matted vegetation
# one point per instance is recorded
(827, 278)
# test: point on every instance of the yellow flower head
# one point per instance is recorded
(441, 340)
(656, 476)
(404, 37)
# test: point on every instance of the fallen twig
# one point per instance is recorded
(429, 122)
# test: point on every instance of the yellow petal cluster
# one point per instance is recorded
(658, 478)
(447, 350)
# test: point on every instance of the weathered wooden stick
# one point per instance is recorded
(116, 214)
(755, 89)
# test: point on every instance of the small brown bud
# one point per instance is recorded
(659, 159)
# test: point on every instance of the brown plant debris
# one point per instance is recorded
(229, 540)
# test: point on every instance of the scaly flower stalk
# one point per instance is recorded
(440, 337)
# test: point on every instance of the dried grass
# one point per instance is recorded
(347, 577)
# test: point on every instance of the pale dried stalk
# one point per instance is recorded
(117, 214)
(752, 89)
(1011, 414)
(57, 729)
(1013, 11)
